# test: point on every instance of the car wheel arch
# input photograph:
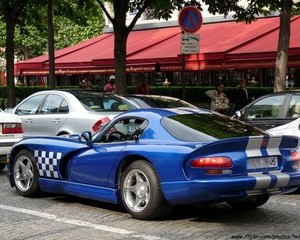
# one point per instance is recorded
(12, 155)
(62, 133)
(124, 164)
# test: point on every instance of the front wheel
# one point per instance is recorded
(141, 192)
(250, 203)
(25, 174)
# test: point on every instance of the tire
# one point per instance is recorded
(141, 192)
(26, 175)
(2, 166)
(250, 203)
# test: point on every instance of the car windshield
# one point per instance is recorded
(163, 102)
(206, 127)
(103, 102)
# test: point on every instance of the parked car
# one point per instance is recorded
(272, 110)
(157, 101)
(152, 159)
(60, 112)
(291, 128)
(11, 131)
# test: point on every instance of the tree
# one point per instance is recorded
(162, 9)
(10, 12)
(21, 17)
(31, 39)
(249, 13)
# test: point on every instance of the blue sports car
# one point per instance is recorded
(152, 159)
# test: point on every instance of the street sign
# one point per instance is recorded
(190, 19)
(190, 43)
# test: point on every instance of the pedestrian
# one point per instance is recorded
(82, 83)
(219, 100)
(241, 95)
(89, 85)
(143, 88)
(110, 87)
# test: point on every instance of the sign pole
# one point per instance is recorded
(190, 21)
(183, 73)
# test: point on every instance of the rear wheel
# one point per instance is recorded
(25, 174)
(141, 192)
(250, 203)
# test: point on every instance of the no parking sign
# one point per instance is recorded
(190, 19)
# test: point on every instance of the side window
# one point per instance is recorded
(30, 106)
(125, 130)
(52, 104)
(294, 107)
(64, 107)
(268, 107)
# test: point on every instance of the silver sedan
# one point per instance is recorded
(61, 112)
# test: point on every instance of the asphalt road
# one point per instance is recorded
(65, 217)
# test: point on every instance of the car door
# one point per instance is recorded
(27, 111)
(51, 115)
(97, 165)
(267, 112)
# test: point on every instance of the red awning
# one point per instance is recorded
(223, 45)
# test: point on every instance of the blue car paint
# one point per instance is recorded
(80, 175)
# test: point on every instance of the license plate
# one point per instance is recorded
(262, 162)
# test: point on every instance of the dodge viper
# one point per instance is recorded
(150, 160)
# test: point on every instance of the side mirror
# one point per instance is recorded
(238, 114)
(86, 137)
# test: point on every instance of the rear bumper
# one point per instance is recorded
(229, 188)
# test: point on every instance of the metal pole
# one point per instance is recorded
(183, 74)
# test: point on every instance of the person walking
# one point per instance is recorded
(110, 87)
(219, 100)
(241, 96)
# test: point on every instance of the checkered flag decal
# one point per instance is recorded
(47, 163)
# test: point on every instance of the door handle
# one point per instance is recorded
(56, 121)
(29, 120)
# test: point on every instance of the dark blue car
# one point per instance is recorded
(152, 159)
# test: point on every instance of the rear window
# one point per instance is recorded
(104, 102)
(207, 127)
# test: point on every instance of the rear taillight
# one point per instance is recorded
(212, 162)
(12, 128)
(100, 123)
(295, 155)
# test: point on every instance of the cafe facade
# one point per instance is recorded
(228, 51)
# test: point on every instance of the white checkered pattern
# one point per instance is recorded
(47, 163)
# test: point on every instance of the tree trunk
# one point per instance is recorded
(9, 54)
(283, 46)
(121, 32)
(51, 83)
(120, 60)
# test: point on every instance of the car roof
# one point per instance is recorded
(163, 112)
(75, 90)
(284, 92)
(151, 96)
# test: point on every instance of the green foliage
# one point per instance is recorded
(69, 33)
(74, 21)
